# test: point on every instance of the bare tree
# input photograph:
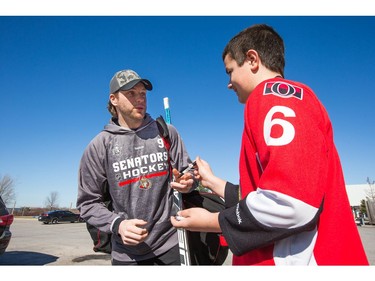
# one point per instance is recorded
(51, 200)
(371, 191)
(7, 189)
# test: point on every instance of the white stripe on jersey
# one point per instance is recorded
(275, 209)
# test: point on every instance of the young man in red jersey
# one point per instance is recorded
(291, 206)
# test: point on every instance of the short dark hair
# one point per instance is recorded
(263, 39)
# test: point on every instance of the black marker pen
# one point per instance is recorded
(189, 167)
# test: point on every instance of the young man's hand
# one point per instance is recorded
(182, 184)
(197, 219)
(132, 231)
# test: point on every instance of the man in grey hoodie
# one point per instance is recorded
(130, 157)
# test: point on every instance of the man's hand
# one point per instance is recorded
(182, 184)
(132, 231)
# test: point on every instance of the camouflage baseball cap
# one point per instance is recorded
(125, 80)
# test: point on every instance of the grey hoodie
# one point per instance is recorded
(134, 164)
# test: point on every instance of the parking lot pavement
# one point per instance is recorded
(34, 243)
(367, 233)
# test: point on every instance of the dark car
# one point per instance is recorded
(57, 216)
(6, 220)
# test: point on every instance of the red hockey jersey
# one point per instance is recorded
(294, 208)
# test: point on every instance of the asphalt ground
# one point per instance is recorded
(34, 243)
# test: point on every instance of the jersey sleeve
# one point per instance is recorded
(232, 194)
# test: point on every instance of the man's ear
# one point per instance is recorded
(113, 99)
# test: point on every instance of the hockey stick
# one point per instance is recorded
(177, 202)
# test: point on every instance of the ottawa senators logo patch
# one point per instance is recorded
(145, 183)
(282, 89)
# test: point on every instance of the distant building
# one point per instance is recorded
(357, 193)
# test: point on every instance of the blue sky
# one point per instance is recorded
(55, 72)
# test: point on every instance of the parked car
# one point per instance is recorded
(6, 220)
(57, 216)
